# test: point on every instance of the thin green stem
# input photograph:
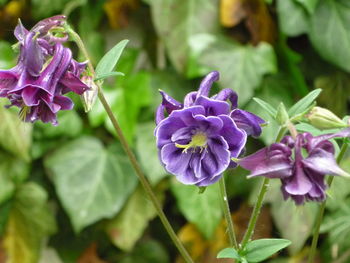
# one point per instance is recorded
(227, 213)
(258, 205)
(321, 210)
(146, 185)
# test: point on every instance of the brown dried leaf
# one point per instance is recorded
(118, 10)
(90, 255)
(231, 12)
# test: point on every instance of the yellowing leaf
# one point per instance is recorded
(29, 222)
(117, 11)
(231, 12)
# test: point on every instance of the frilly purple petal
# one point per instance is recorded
(248, 122)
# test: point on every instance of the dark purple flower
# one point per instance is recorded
(198, 138)
(301, 164)
(44, 73)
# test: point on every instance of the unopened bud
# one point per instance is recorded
(282, 116)
(89, 96)
(324, 119)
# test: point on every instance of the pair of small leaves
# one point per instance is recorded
(255, 251)
(104, 68)
(300, 108)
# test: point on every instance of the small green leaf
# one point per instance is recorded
(304, 103)
(267, 107)
(110, 59)
(282, 115)
(309, 5)
(261, 249)
(110, 74)
(229, 253)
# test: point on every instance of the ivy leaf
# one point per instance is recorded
(110, 59)
(203, 210)
(261, 249)
(292, 17)
(229, 253)
(330, 32)
(304, 103)
(128, 226)
(242, 67)
(309, 5)
(176, 21)
(91, 182)
(30, 221)
(15, 135)
(147, 152)
(8, 58)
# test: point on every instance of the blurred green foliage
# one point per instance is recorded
(69, 194)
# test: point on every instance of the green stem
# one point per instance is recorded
(146, 185)
(227, 213)
(257, 208)
(321, 210)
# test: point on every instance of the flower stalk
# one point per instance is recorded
(146, 185)
(321, 210)
(227, 213)
(257, 208)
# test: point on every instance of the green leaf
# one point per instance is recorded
(128, 226)
(8, 57)
(304, 103)
(267, 107)
(46, 8)
(292, 17)
(91, 182)
(30, 221)
(110, 74)
(309, 5)
(203, 210)
(330, 32)
(242, 67)
(15, 135)
(110, 59)
(176, 21)
(12, 168)
(148, 154)
(229, 253)
(261, 249)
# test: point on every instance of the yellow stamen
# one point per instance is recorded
(197, 140)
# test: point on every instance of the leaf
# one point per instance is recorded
(118, 11)
(50, 255)
(148, 154)
(242, 67)
(304, 103)
(229, 253)
(46, 8)
(8, 58)
(30, 221)
(330, 32)
(203, 210)
(91, 182)
(176, 22)
(267, 107)
(15, 136)
(309, 5)
(110, 59)
(292, 18)
(261, 249)
(110, 74)
(128, 226)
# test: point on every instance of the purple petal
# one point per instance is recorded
(184, 133)
(20, 32)
(65, 103)
(170, 103)
(220, 156)
(211, 124)
(314, 141)
(227, 94)
(73, 83)
(213, 107)
(206, 83)
(159, 116)
(323, 162)
(31, 95)
(247, 121)
(33, 56)
(190, 99)
(299, 184)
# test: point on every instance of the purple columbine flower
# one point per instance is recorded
(300, 163)
(198, 138)
(44, 73)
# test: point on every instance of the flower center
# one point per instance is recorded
(198, 140)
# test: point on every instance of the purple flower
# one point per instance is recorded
(198, 138)
(301, 164)
(44, 73)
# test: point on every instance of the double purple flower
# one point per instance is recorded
(198, 138)
(45, 71)
(300, 163)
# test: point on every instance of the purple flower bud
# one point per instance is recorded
(301, 164)
(198, 138)
(44, 73)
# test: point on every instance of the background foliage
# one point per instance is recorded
(68, 193)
